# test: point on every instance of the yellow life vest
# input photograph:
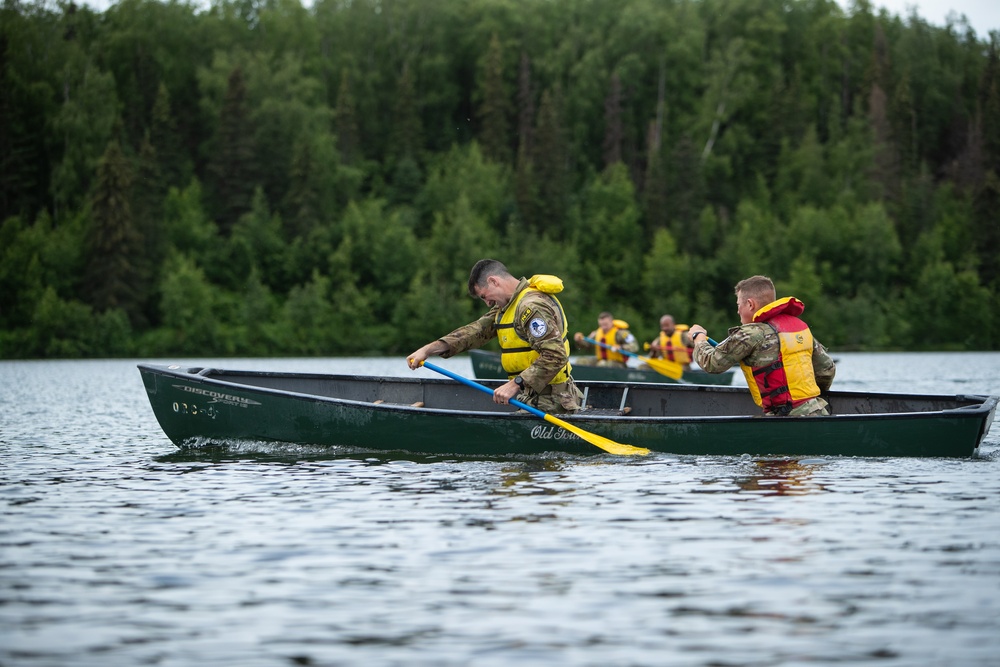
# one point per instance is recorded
(610, 338)
(673, 348)
(516, 353)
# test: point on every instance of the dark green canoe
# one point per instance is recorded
(197, 406)
(486, 366)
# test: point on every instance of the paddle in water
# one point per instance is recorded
(598, 441)
(672, 369)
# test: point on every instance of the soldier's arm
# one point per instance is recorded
(728, 353)
(472, 335)
(627, 341)
(578, 337)
(824, 367)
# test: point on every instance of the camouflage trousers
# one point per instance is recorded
(811, 408)
(555, 398)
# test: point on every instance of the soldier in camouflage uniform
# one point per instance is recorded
(757, 347)
(537, 320)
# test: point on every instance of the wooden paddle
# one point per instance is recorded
(672, 369)
(598, 441)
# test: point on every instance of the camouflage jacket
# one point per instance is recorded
(551, 350)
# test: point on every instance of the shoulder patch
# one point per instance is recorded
(537, 327)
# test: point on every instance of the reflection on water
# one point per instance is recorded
(781, 477)
(532, 477)
(767, 477)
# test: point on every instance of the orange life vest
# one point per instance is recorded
(781, 386)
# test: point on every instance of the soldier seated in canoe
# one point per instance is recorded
(785, 367)
(612, 337)
(673, 344)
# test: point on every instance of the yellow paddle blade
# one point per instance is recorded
(671, 369)
(599, 441)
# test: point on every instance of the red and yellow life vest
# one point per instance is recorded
(516, 353)
(609, 338)
(781, 386)
(672, 348)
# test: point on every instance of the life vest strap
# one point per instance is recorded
(767, 369)
(777, 390)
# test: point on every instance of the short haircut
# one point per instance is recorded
(482, 270)
(605, 314)
(758, 288)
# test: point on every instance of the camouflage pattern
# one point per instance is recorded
(564, 397)
(555, 398)
(756, 344)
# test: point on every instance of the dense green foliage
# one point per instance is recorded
(261, 178)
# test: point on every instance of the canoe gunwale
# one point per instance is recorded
(977, 402)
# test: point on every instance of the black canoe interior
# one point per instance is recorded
(602, 398)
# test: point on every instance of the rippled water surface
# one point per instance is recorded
(116, 548)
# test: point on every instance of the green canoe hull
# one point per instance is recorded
(196, 406)
(486, 366)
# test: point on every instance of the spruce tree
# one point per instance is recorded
(987, 198)
(113, 276)
(166, 141)
(524, 180)
(613, 133)
(346, 114)
(232, 173)
(495, 107)
(551, 165)
(407, 131)
(885, 171)
(148, 192)
(654, 195)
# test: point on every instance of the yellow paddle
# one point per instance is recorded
(671, 369)
(598, 441)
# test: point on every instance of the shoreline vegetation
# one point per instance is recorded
(267, 179)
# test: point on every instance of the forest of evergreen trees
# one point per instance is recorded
(263, 178)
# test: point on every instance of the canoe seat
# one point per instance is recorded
(589, 409)
(604, 412)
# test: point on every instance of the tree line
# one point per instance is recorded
(263, 178)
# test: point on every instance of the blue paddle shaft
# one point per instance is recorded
(606, 346)
(483, 388)
(632, 354)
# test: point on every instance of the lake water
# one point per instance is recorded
(118, 549)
